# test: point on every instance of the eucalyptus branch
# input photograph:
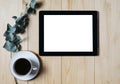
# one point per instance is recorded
(13, 41)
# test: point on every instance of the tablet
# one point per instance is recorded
(68, 33)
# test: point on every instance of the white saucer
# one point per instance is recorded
(27, 55)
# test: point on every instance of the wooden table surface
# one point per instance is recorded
(102, 69)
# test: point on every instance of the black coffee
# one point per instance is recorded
(22, 66)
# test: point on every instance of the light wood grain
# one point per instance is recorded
(102, 69)
(107, 64)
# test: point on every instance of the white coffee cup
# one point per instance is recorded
(24, 65)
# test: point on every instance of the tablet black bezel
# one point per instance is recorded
(95, 33)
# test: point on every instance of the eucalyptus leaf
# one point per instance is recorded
(10, 37)
(17, 39)
(14, 17)
(32, 4)
(19, 20)
(19, 29)
(11, 46)
(8, 26)
(21, 24)
(38, 5)
(22, 19)
(31, 11)
(6, 33)
(10, 29)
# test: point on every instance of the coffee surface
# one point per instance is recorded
(22, 66)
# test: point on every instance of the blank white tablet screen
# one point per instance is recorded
(68, 33)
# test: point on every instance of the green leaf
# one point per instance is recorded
(10, 46)
(32, 4)
(8, 25)
(10, 29)
(22, 19)
(17, 39)
(38, 5)
(14, 17)
(19, 20)
(6, 33)
(19, 29)
(21, 24)
(25, 20)
(31, 11)
(10, 37)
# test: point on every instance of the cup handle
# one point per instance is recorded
(34, 68)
